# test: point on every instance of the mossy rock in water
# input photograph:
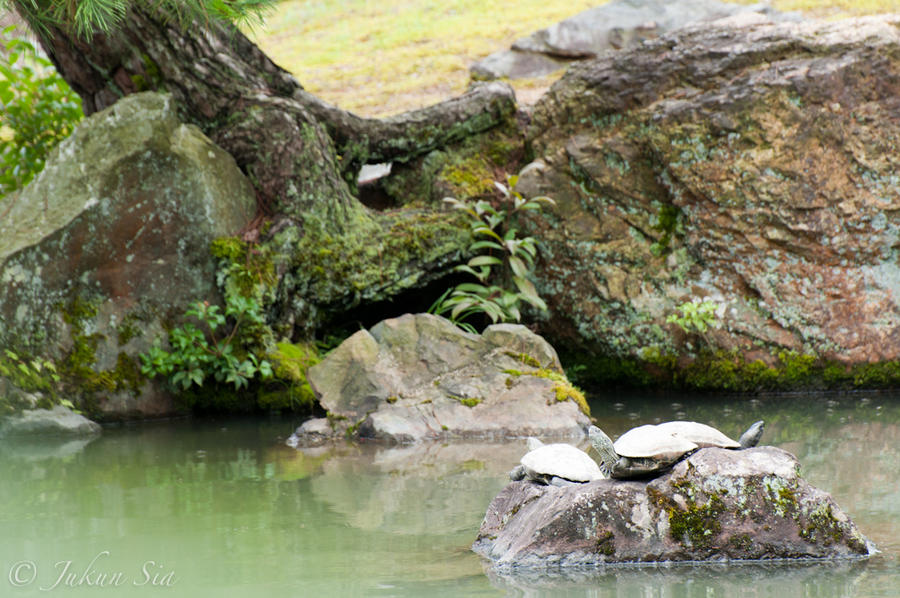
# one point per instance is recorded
(717, 504)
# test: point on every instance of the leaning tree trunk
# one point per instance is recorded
(301, 154)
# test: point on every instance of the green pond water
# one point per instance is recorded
(223, 508)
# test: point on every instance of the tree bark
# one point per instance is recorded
(301, 154)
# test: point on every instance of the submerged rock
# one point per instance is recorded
(716, 505)
(750, 165)
(112, 241)
(420, 377)
(59, 421)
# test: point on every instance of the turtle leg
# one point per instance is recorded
(751, 437)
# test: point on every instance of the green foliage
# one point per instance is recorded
(37, 110)
(502, 265)
(92, 16)
(198, 355)
(28, 374)
(697, 316)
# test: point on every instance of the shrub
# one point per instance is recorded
(38, 109)
(502, 265)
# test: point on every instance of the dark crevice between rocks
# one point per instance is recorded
(412, 301)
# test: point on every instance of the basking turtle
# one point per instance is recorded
(649, 450)
(556, 464)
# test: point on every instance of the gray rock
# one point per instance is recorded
(112, 239)
(312, 432)
(716, 505)
(418, 376)
(705, 164)
(59, 421)
(612, 26)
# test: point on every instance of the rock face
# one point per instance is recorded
(716, 505)
(59, 421)
(612, 26)
(752, 165)
(420, 377)
(111, 239)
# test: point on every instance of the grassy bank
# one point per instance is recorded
(379, 58)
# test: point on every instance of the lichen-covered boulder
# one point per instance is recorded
(751, 165)
(716, 505)
(420, 377)
(111, 240)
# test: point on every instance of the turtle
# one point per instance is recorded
(649, 450)
(556, 464)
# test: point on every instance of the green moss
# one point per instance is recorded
(742, 542)
(289, 388)
(563, 390)
(668, 219)
(128, 329)
(330, 273)
(606, 543)
(77, 367)
(245, 269)
(697, 524)
(467, 401)
(525, 359)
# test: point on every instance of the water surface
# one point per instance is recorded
(223, 508)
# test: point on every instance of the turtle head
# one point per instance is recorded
(604, 447)
(751, 437)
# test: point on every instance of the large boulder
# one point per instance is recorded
(611, 26)
(749, 165)
(420, 377)
(716, 505)
(111, 240)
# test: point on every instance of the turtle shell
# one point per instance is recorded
(670, 440)
(700, 434)
(649, 442)
(562, 461)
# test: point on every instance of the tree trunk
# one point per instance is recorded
(301, 154)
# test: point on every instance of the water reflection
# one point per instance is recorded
(689, 581)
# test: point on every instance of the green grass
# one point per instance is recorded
(377, 58)
(380, 58)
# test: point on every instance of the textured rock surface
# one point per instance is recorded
(755, 165)
(418, 376)
(59, 421)
(112, 239)
(717, 504)
(611, 26)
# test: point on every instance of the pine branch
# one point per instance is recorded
(88, 17)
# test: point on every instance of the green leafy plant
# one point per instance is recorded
(197, 355)
(28, 374)
(38, 109)
(698, 316)
(503, 261)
